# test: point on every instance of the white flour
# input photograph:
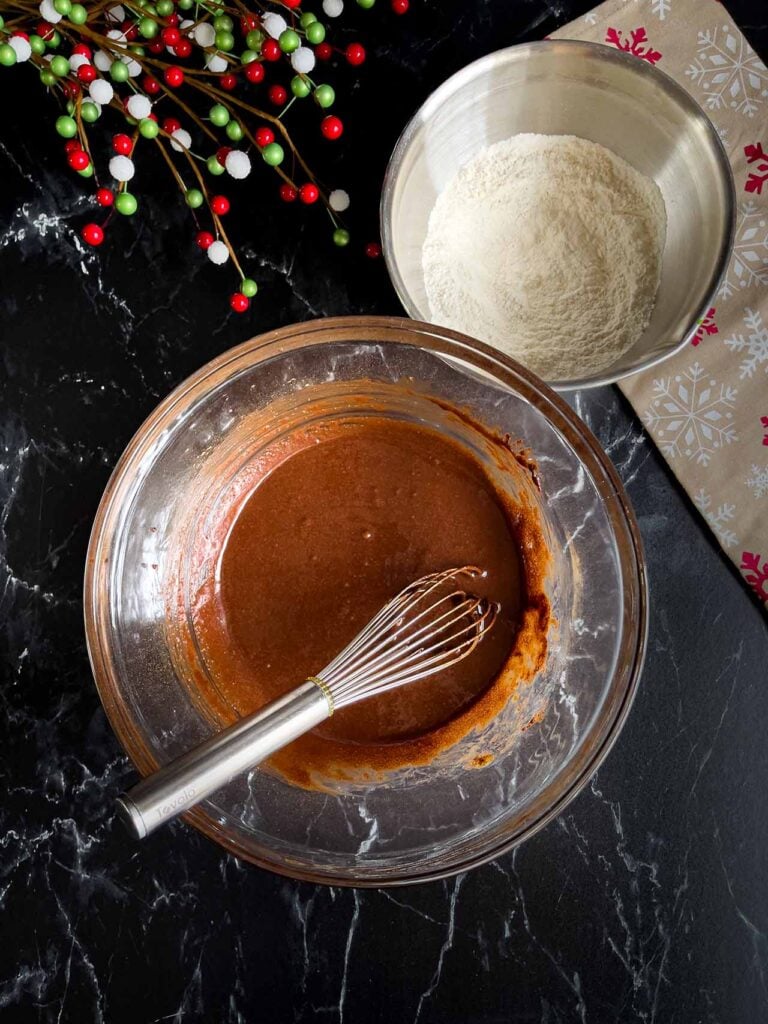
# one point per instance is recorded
(548, 247)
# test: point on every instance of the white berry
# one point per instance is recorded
(139, 107)
(338, 200)
(121, 168)
(333, 8)
(77, 60)
(274, 24)
(215, 63)
(217, 253)
(117, 13)
(180, 140)
(49, 12)
(187, 23)
(100, 91)
(102, 61)
(134, 68)
(204, 34)
(21, 48)
(303, 60)
(238, 164)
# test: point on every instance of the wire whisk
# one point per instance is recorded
(429, 626)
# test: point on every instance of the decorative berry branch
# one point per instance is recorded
(194, 58)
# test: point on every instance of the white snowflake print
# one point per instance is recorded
(661, 8)
(718, 519)
(749, 262)
(754, 344)
(729, 72)
(692, 416)
(758, 482)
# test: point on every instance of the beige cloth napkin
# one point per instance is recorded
(707, 407)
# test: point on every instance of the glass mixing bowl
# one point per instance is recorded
(566, 87)
(420, 823)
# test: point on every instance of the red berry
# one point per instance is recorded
(130, 31)
(277, 95)
(263, 136)
(78, 159)
(171, 125)
(400, 6)
(254, 71)
(248, 22)
(309, 193)
(220, 205)
(92, 234)
(72, 89)
(228, 82)
(122, 144)
(288, 193)
(270, 49)
(183, 48)
(87, 73)
(23, 35)
(81, 48)
(331, 127)
(238, 301)
(323, 51)
(173, 20)
(291, 3)
(71, 146)
(373, 250)
(355, 54)
(170, 36)
(222, 153)
(156, 46)
(204, 239)
(150, 85)
(45, 30)
(173, 77)
(105, 197)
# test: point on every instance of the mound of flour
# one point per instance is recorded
(548, 247)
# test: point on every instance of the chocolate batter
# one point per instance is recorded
(323, 541)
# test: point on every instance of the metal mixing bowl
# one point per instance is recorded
(594, 92)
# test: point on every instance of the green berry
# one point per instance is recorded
(224, 41)
(223, 23)
(164, 8)
(235, 131)
(366, 4)
(150, 9)
(307, 19)
(118, 72)
(137, 48)
(66, 127)
(46, 77)
(186, 5)
(289, 41)
(148, 128)
(38, 44)
(214, 167)
(78, 14)
(273, 154)
(126, 203)
(70, 107)
(324, 96)
(148, 27)
(248, 287)
(315, 33)
(60, 66)
(300, 87)
(89, 112)
(63, 6)
(87, 172)
(194, 198)
(219, 115)
(254, 39)
(7, 55)
(55, 41)
(2, 21)
(341, 237)
(248, 56)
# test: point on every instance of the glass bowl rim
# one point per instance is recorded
(600, 51)
(373, 329)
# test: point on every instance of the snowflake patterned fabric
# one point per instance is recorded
(707, 407)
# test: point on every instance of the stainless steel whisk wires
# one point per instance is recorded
(429, 626)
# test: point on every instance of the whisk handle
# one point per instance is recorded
(190, 778)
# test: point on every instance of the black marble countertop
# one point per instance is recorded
(646, 901)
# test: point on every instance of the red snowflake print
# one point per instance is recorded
(759, 174)
(755, 574)
(706, 326)
(634, 45)
(764, 422)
